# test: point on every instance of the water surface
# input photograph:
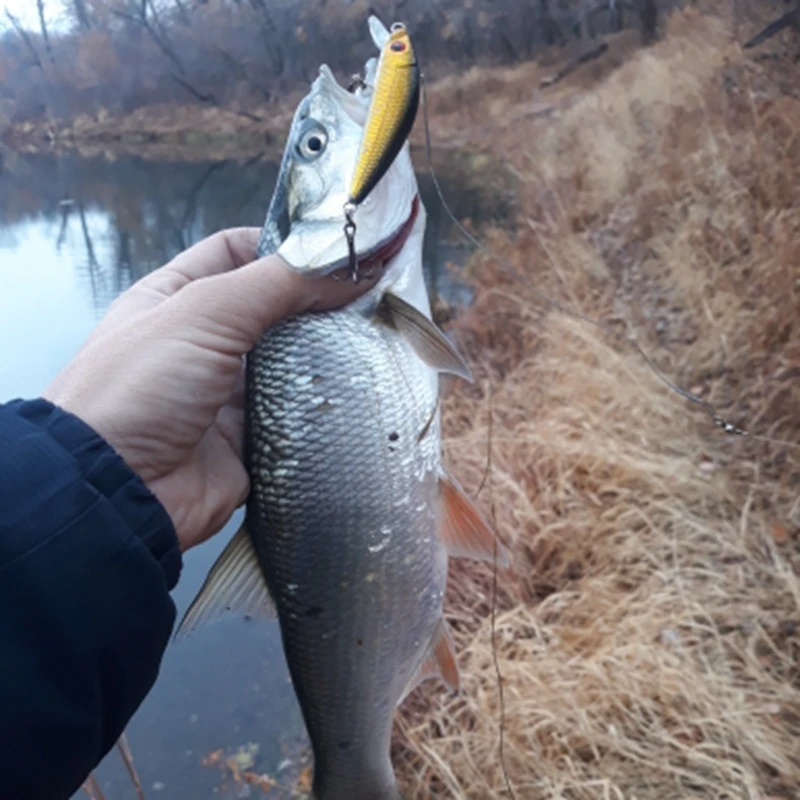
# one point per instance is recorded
(74, 233)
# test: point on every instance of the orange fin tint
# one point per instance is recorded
(462, 528)
(440, 662)
(444, 655)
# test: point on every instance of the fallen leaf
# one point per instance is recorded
(244, 757)
(263, 782)
(779, 533)
(212, 759)
(304, 780)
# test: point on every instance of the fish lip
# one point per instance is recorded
(377, 256)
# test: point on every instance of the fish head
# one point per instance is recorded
(306, 218)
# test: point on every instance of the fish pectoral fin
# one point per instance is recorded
(439, 662)
(426, 339)
(463, 530)
(234, 585)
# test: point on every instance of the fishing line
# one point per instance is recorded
(718, 420)
(493, 608)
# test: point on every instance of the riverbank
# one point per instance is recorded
(648, 636)
(157, 133)
(461, 110)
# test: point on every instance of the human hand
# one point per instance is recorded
(161, 378)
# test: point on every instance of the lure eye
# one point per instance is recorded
(312, 143)
(398, 47)
(397, 26)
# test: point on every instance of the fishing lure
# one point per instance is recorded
(391, 116)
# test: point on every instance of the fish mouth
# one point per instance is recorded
(368, 261)
(379, 255)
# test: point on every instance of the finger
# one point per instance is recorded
(240, 305)
(238, 393)
(221, 252)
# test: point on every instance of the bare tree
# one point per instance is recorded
(269, 36)
(551, 31)
(81, 14)
(25, 38)
(119, 55)
(43, 26)
(588, 50)
(147, 17)
(648, 20)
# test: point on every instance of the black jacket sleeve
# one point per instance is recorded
(87, 559)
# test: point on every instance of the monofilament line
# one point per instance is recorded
(493, 613)
(710, 409)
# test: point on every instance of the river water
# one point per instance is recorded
(74, 233)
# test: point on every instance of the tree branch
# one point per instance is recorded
(590, 55)
(43, 25)
(25, 38)
(81, 14)
(773, 28)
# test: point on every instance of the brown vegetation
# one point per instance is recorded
(134, 73)
(157, 133)
(648, 638)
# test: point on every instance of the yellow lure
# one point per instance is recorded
(391, 113)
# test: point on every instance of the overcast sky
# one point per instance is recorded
(26, 11)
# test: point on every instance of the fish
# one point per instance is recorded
(351, 517)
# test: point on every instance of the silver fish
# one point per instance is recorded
(351, 517)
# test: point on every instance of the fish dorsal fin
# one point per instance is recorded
(439, 662)
(234, 585)
(463, 530)
(426, 339)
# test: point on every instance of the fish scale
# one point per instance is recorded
(343, 516)
(350, 518)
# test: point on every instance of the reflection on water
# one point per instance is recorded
(74, 234)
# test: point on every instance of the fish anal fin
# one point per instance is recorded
(234, 586)
(426, 339)
(439, 662)
(444, 654)
(463, 530)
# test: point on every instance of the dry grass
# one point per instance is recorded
(649, 636)
(465, 107)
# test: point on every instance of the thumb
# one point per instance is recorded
(243, 303)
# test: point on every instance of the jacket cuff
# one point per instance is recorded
(106, 471)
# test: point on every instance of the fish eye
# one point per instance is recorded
(312, 142)
(398, 47)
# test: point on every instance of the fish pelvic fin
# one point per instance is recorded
(463, 530)
(426, 339)
(234, 585)
(439, 662)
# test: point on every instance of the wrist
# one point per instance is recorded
(107, 474)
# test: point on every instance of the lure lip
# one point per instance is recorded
(374, 258)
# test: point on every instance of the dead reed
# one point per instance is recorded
(648, 637)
